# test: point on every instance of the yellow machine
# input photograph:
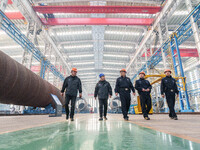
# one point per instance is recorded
(138, 109)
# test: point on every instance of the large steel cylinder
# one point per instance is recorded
(81, 104)
(20, 86)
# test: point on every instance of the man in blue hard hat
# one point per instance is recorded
(103, 90)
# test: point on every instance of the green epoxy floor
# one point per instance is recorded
(90, 134)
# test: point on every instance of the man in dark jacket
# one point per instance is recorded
(144, 89)
(123, 87)
(169, 88)
(72, 84)
(103, 90)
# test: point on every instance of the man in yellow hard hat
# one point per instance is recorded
(123, 87)
(72, 84)
(169, 89)
(144, 89)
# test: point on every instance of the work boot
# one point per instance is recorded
(126, 118)
(105, 118)
(171, 117)
(100, 119)
(175, 118)
(67, 117)
(72, 119)
(146, 118)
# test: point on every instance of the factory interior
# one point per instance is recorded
(44, 42)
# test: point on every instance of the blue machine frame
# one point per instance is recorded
(9, 27)
(183, 32)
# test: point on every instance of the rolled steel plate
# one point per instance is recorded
(20, 86)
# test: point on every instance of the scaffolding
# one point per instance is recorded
(180, 35)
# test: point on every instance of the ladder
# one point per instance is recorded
(178, 70)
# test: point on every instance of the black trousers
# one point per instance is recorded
(103, 106)
(145, 102)
(69, 98)
(125, 98)
(170, 97)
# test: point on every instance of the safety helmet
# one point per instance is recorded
(101, 75)
(142, 73)
(123, 70)
(168, 70)
(74, 69)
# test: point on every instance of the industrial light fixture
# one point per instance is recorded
(180, 13)
(82, 74)
(112, 68)
(109, 73)
(119, 46)
(89, 80)
(16, 56)
(83, 63)
(78, 46)
(71, 33)
(113, 63)
(112, 55)
(10, 47)
(79, 56)
(88, 77)
(123, 33)
(83, 69)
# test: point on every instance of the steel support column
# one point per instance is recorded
(146, 58)
(194, 26)
(3, 5)
(161, 41)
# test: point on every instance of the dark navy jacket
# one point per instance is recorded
(122, 84)
(142, 84)
(72, 84)
(103, 90)
(168, 84)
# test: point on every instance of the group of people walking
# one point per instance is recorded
(123, 88)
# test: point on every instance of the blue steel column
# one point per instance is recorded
(182, 72)
(176, 71)
(43, 69)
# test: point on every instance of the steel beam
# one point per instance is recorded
(183, 53)
(131, 1)
(161, 41)
(97, 21)
(14, 15)
(3, 5)
(194, 26)
(97, 9)
(91, 41)
(163, 12)
(27, 11)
